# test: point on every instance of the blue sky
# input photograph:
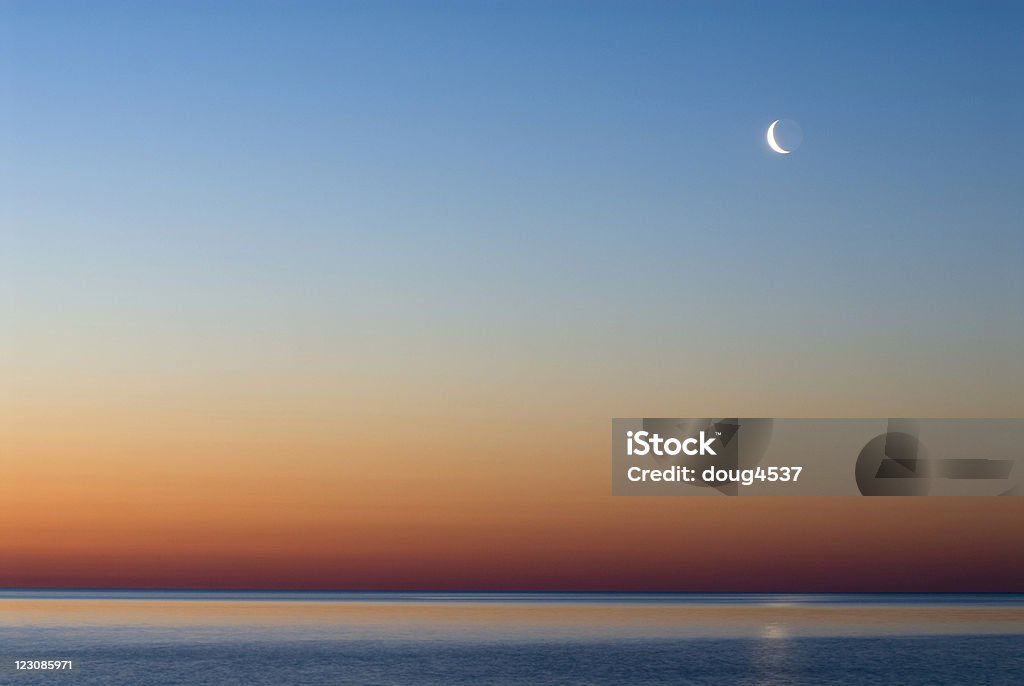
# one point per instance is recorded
(524, 169)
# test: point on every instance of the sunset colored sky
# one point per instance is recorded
(345, 295)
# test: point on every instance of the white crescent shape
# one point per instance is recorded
(771, 140)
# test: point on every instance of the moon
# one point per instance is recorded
(771, 140)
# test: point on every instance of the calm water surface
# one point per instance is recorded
(530, 639)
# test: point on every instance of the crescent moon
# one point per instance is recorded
(771, 140)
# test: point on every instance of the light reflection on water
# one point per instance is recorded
(146, 639)
(470, 618)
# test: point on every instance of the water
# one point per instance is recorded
(503, 639)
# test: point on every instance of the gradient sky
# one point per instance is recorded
(345, 294)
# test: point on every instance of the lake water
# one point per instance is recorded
(503, 639)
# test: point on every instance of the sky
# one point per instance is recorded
(345, 295)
